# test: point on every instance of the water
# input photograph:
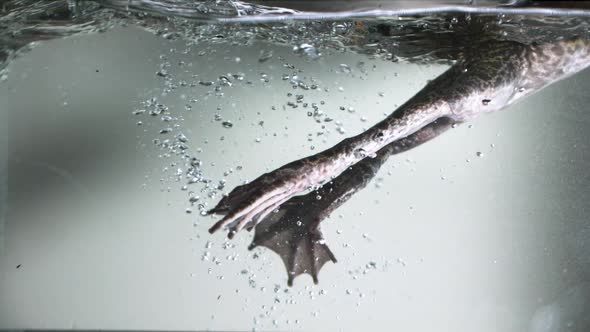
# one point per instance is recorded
(117, 143)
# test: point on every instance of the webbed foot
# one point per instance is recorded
(294, 234)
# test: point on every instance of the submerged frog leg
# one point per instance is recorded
(293, 232)
(266, 191)
(489, 78)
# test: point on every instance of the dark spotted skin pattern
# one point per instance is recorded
(488, 78)
(294, 232)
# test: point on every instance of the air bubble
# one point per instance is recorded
(360, 153)
(224, 81)
(265, 56)
(181, 138)
(345, 68)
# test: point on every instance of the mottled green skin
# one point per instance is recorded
(487, 78)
